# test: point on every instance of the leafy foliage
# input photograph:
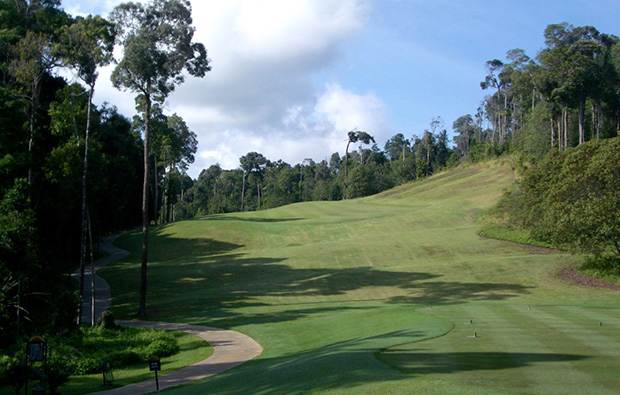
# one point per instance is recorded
(570, 199)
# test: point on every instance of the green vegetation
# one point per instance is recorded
(344, 296)
(330, 289)
(192, 349)
(126, 351)
(570, 201)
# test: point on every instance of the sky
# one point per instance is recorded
(290, 78)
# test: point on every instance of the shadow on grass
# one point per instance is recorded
(203, 277)
(337, 365)
(414, 362)
(220, 217)
(350, 364)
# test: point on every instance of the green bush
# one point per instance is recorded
(14, 370)
(54, 372)
(119, 359)
(162, 348)
(602, 266)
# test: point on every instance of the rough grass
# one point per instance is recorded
(339, 294)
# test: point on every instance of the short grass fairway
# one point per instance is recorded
(375, 296)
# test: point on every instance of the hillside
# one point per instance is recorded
(325, 286)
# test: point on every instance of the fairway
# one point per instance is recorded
(376, 295)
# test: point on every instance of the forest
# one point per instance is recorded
(73, 171)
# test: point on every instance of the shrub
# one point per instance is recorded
(106, 321)
(119, 359)
(602, 266)
(161, 348)
(14, 371)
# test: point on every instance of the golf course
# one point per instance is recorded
(393, 294)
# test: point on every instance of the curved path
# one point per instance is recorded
(230, 348)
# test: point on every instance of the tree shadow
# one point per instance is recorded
(341, 364)
(220, 217)
(416, 362)
(452, 292)
(204, 277)
(351, 363)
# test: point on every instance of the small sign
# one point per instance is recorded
(37, 349)
(154, 364)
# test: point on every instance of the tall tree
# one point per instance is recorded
(252, 162)
(496, 78)
(576, 67)
(396, 147)
(85, 45)
(157, 42)
(463, 129)
(354, 137)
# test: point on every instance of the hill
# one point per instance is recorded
(341, 294)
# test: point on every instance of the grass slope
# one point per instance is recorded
(341, 295)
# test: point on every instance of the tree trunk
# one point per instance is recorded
(505, 116)
(93, 319)
(258, 192)
(346, 171)
(84, 178)
(582, 131)
(243, 190)
(155, 190)
(565, 128)
(560, 132)
(598, 120)
(552, 133)
(145, 206)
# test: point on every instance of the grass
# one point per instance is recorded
(372, 295)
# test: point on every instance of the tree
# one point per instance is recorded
(396, 147)
(252, 162)
(157, 42)
(87, 44)
(354, 137)
(176, 151)
(577, 66)
(496, 78)
(572, 198)
(463, 129)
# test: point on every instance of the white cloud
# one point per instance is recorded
(261, 94)
(314, 130)
(346, 110)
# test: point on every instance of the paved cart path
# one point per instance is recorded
(230, 348)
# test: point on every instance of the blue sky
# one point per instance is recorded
(291, 77)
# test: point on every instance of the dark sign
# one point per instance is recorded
(37, 349)
(154, 364)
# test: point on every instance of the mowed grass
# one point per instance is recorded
(373, 294)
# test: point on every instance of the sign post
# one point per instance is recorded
(36, 349)
(155, 366)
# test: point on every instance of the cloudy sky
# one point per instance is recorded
(290, 77)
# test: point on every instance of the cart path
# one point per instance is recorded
(102, 289)
(230, 348)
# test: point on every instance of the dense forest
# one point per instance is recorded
(73, 171)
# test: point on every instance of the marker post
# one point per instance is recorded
(155, 366)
